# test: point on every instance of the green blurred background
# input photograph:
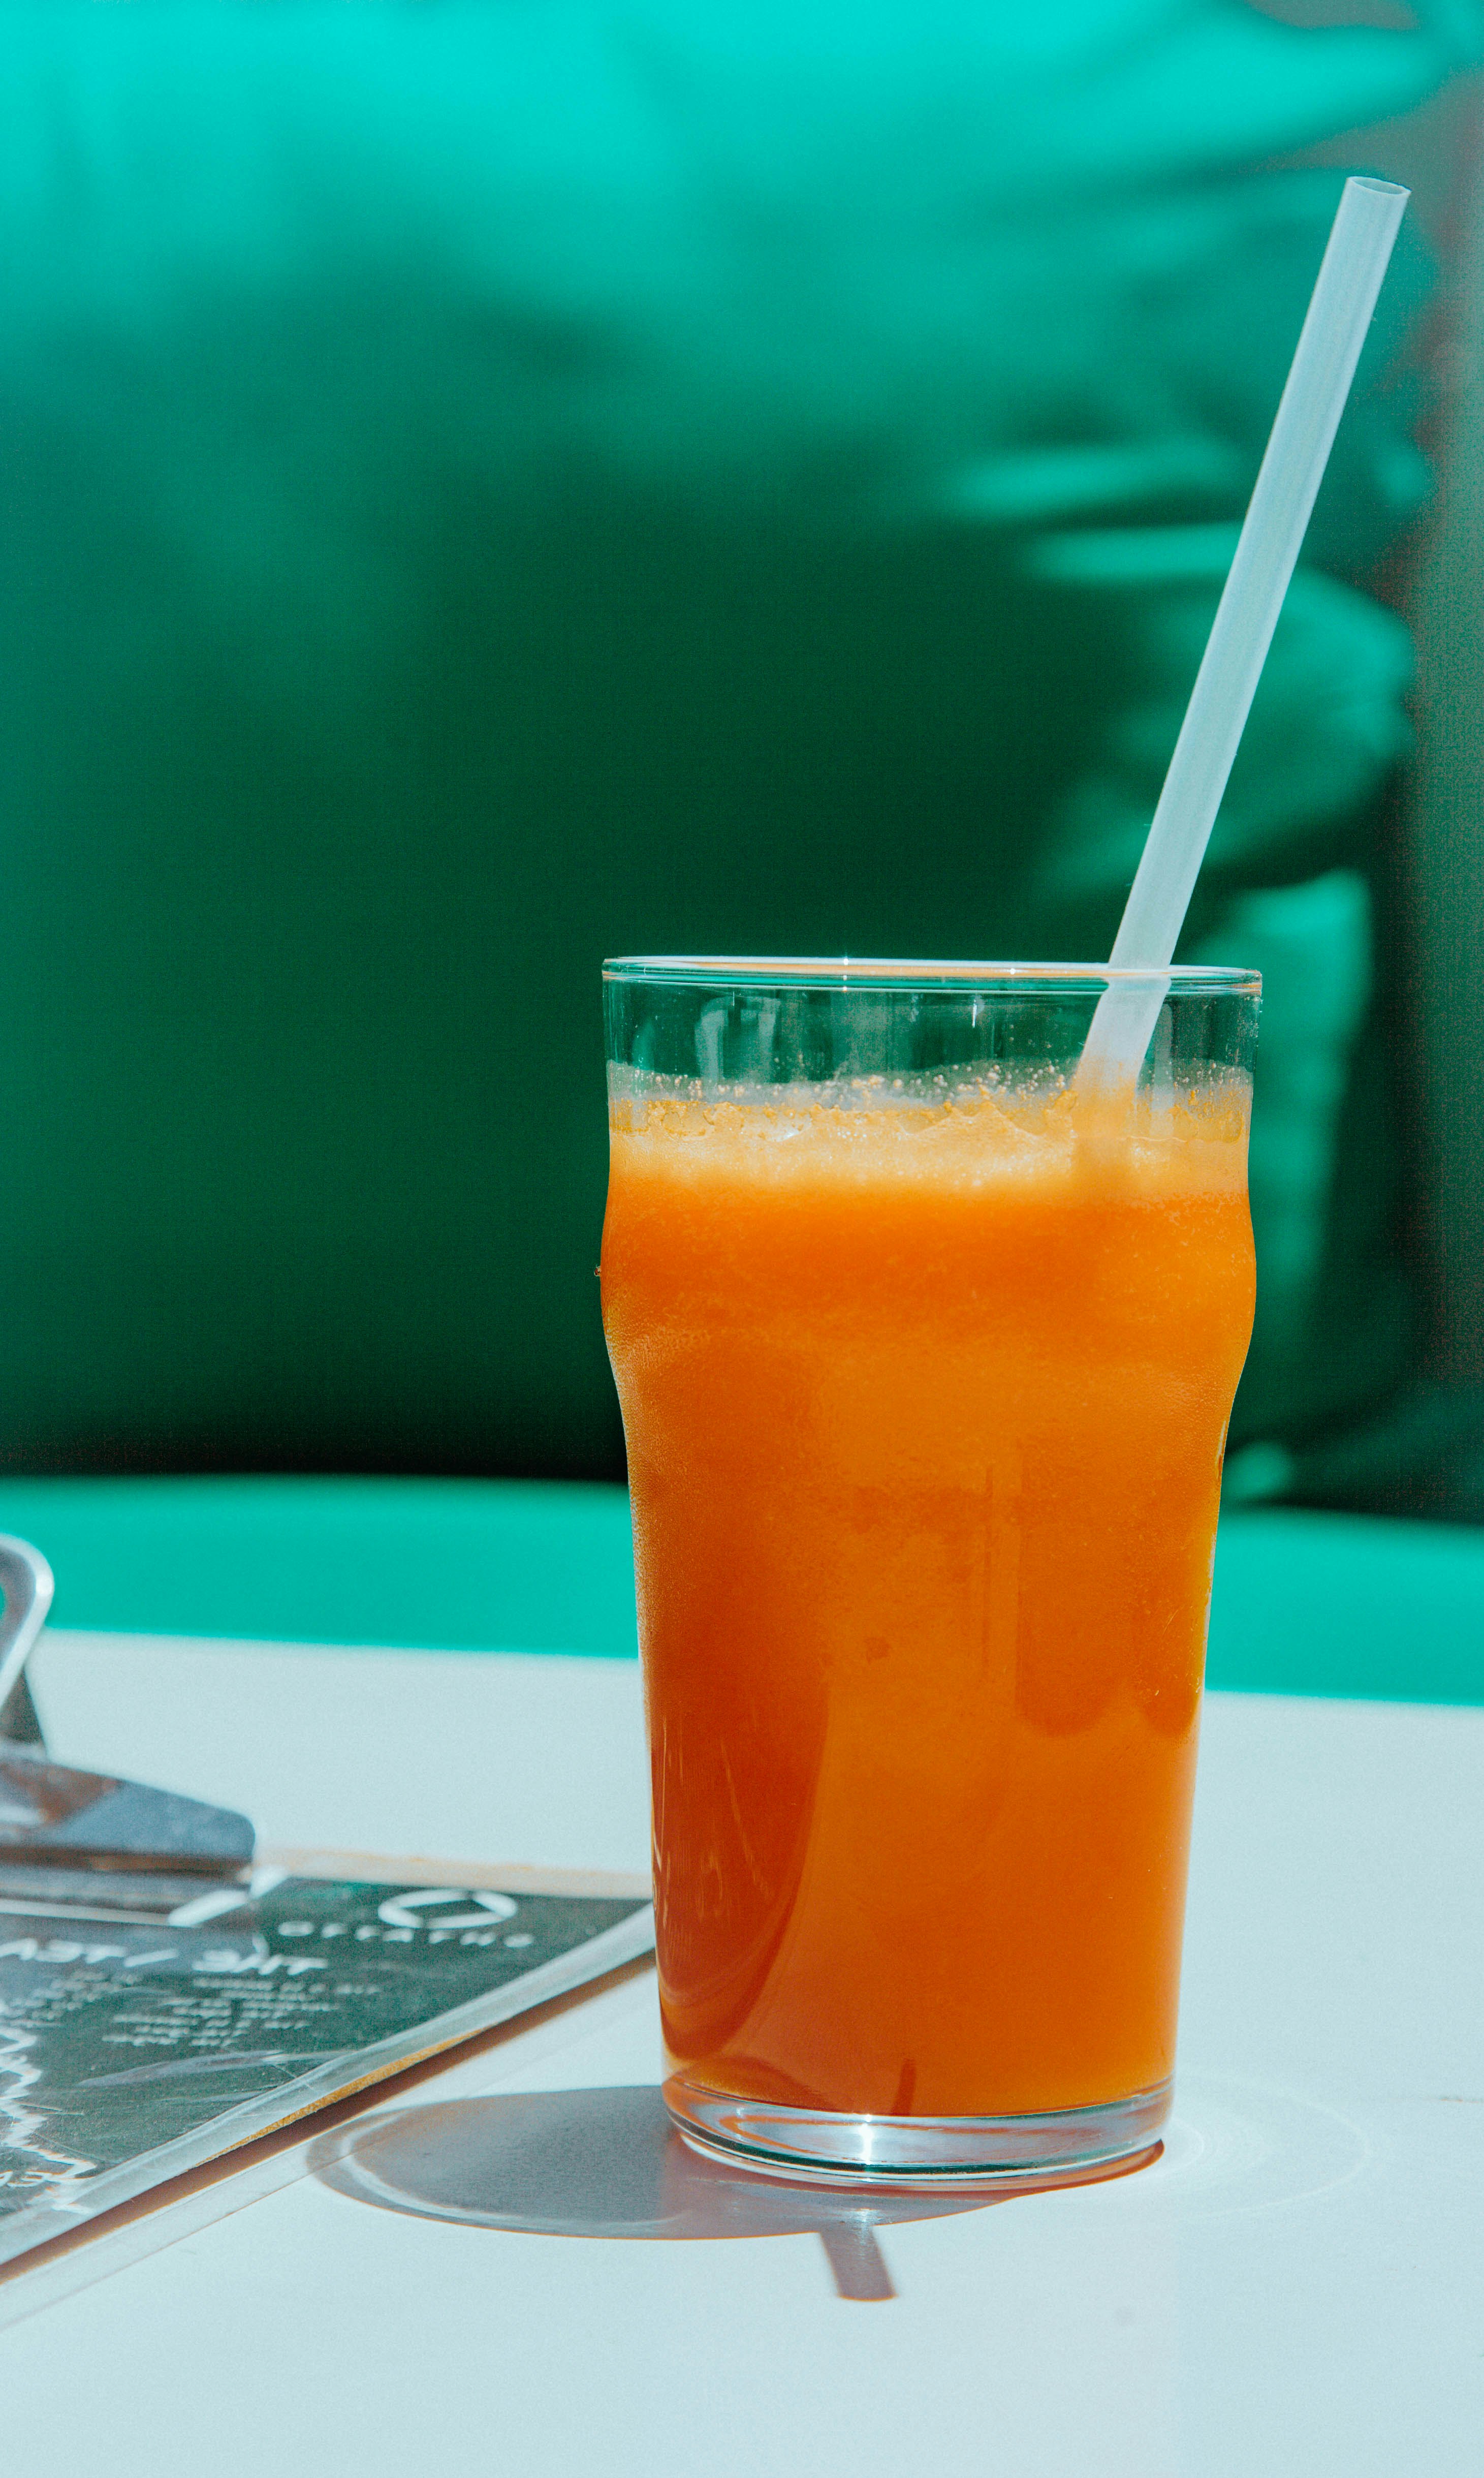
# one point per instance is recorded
(488, 486)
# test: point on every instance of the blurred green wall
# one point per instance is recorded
(484, 489)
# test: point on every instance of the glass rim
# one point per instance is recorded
(838, 973)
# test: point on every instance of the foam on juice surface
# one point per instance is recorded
(893, 1132)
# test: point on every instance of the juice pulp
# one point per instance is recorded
(926, 1404)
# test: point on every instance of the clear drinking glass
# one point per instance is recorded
(926, 1357)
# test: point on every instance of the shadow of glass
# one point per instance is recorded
(607, 2163)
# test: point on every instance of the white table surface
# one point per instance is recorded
(1295, 2288)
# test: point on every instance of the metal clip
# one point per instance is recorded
(53, 1815)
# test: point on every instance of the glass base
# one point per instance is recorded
(815, 2144)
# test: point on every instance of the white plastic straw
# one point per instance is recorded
(1273, 532)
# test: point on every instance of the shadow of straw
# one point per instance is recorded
(605, 2163)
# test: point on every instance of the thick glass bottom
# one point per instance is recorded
(916, 2151)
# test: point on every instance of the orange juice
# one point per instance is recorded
(925, 1402)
